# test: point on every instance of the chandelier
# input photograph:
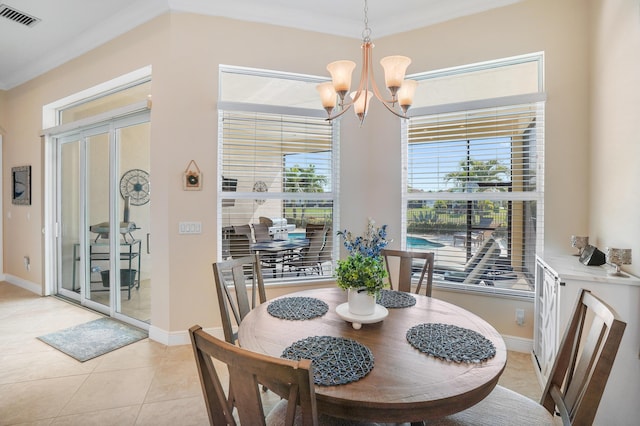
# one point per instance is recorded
(401, 90)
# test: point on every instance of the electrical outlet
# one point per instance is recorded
(520, 316)
(27, 263)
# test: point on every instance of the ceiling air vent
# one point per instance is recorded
(17, 16)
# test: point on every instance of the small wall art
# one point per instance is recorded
(192, 180)
(21, 185)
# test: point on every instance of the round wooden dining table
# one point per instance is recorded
(405, 385)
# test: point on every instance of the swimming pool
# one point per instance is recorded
(420, 243)
(417, 243)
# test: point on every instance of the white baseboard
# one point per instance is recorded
(518, 344)
(22, 283)
(176, 338)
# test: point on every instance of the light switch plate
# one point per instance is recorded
(190, 228)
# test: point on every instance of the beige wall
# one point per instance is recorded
(615, 139)
(3, 112)
(185, 51)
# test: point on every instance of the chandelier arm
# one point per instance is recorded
(366, 69)
(362, 84)
(386, 105)
(342, 111)
(374, 86)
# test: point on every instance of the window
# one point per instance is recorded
(119, 97)
(278, 177)
(473, 192)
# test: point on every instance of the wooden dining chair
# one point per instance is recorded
(577, 380)
(233, 274)
(410, 262)
(247, 371)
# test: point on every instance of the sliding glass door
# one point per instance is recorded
(103, 217)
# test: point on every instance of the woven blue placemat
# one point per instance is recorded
(297, 308)
(336, 360)
(451, 343)
(395, 299)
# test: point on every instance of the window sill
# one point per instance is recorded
(487, 291)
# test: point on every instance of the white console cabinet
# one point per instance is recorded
(558, 282)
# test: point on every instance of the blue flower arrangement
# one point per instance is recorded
(364, 268)
(370, 244)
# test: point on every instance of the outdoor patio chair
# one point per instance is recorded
(577, 380)
(326, 253)
(261, 232)
(481, 267)
(269, 260)
(307, 260)
(478, 232)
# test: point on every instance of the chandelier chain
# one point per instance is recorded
(366, 32)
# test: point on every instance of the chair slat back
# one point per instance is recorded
(584, 361)
(327, 249)
(311, 253)
(408, 263)
(248, 370)
(232, 274)
(261, 232)
(239, 245)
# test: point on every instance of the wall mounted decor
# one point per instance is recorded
(135, 185)
(192, 180)
(260, 186)
(21, 187)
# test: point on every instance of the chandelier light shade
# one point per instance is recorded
(334, 93)
(395, 68)
(405, 94)
(361, 101)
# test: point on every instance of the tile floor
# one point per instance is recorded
(145, 383)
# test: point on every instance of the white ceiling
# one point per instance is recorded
(69, 28)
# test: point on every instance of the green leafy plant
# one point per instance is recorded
(360, 271)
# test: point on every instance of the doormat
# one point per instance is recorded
(94, 338)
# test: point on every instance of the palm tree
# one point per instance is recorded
(303, 179)
(476, 171)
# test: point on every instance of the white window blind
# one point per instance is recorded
(278, 169)
(473, 190)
